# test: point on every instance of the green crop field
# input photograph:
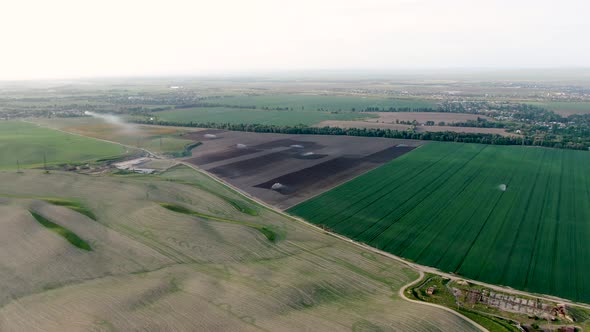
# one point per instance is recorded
(318, 102)
(505, 215)
(254, 116)
(28, 143)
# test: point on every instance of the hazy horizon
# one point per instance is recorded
(69, 39)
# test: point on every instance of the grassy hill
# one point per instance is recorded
(154, 268)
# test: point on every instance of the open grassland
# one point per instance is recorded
(266, 231)
(504, 215)
(566, 108)
(28, 144)
(151, 268)
(300, 102)
(70, 204)
(166, 140)
(254, 116)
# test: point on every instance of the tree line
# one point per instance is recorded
(445, 136)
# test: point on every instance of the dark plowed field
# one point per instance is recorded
(324, 174)
(289, 143)
(309, 176)
(221, 155)
(298, 166)
(251, 166)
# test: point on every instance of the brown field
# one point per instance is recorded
(568, 112)
(422, 117)
(387, 120)
(99, 129)
(375, 125)
(497, 131)
(363, 124)
(158, 139)
(304, 165)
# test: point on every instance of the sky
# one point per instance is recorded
(83, 38)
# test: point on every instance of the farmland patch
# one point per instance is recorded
(337, 168)
(285, 169)
(27, 145)
(504, 215)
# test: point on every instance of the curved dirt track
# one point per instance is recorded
(403, 296)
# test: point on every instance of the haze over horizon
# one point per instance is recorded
(178, 37)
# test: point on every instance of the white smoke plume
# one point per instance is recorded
(112, 119)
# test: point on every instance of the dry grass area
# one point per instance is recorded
(497, 131)
(99, 129)
(106, 130)
(568, 112)
(394, 126)
(153, 269)
(363, 124)
(154, 138)
(387, 120)
(422, 117)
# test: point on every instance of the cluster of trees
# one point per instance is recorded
(479, 123)
(410, 123)
(521, 112)
(211, 105)
(124, 97)
(266, 108)
(399, 109)
(373, 132)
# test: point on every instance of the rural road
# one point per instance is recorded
(420, 268)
